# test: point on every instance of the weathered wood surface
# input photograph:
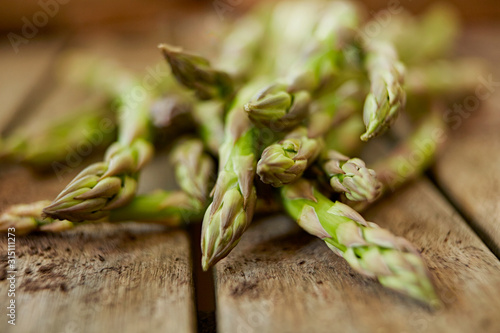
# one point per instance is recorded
(136, 278)
(468, 169)
(97, 278)
(22, 73)
(279, 279)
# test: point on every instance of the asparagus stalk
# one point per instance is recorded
(328, 111)
(444, 77)
(386, 97)
(194, 169)
(436, 32)
(234, 194)
(284, 162)
(350, 176)
(285, 103)
(413, 155)
(112, 183)
(241, 53)
(369, 249)
(195, 73)
(209, 117)
(170, 209)
(90, 127)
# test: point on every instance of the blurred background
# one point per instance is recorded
(113, 14)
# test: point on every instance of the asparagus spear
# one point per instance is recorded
(241, 53)
(413, 155)
(350, 176)
(436, 32)
(286, 101)
(194, 169)
(284, 162)
(90, 127)
(112, 183)
(369, 249)
(330, 110)
(171, 209)
(208, 116)
(195, 73)
(234, 194)
(386, 97)
(444, 77)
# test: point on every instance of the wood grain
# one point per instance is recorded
(279, 279)
(468, 170)
(21, 73)
(96, 278)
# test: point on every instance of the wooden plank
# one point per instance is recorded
(97, 278)
(468, 170)
(21, 72)
(279, 279)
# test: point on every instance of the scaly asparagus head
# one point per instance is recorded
(171, 209)
(195, 72)
(350, 176)
(369, 249)
(234, 194)
(26, 218)
(112, 183)
(284, 162)
(102, 186)
(194, 169)
(277, 107)
(387, 97)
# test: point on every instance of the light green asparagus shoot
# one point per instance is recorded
(369, 249)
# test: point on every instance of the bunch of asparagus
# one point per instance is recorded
(282, 113)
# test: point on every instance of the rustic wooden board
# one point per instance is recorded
(96, 278)
(279, 279)
(468, 170)
(22, 73)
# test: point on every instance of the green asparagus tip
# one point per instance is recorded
(275, 107)
(195, 72)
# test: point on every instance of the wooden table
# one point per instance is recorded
(136, 278)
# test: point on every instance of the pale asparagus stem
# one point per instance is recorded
(90, 127)
(444, 77)
(413, 155)
(350, 176)
(369, 249)
(195, 73)
(112, 183)
(234, 194)
(330, 110)
(194, 169)
(208, 116)
(387, 96)
(285, 103)
(285, 161)
(241, 51)
(170, 209)
(436, 32)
